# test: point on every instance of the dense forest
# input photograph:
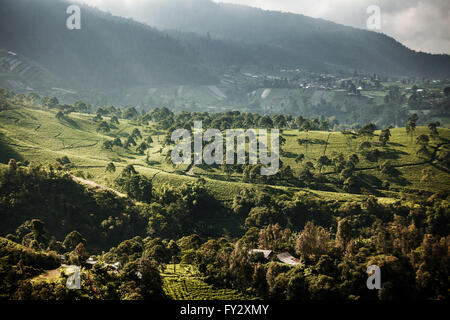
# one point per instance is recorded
(49, 218)
(293, 39)
(94, 207)
(336, 241)
(106, 54)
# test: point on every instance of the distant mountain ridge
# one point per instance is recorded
(315, 43)
(200, 40)
(108, 52)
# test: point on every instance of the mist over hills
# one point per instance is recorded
(195, 42)
(108, 52)
(315, 43)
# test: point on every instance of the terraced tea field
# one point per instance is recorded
(187, 284)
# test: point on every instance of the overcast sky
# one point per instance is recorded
(422, 25)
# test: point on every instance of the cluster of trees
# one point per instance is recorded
(410, 245)
(103, 218)
(138, 279)
(135, 139)
(52, 196)
(334, 240)
(167, 120)
(135, 185)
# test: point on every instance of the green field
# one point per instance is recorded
(34, 134)
(186, 283)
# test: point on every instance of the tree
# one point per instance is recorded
(117, 142)
(144, 275)
(297, 288)
(411, 125)
(107, 145)
(279, 121)
(282, 141)
(344, 233)
(265, 122)
(423, 140)
(300, 158)
(80, 106)
(114, 120)
(427, 176)
(299, 121)
(313, 241)
(52, 102)
(12, 165)
(306, 125)
(273, 237)
(447, 91)
(97, 118)
(367, 130)
(136, 186)
(323, 161)
(128, 171)
(353, 160)
(79, 255)
(73, 239)
(433, 128)
(110, 167)
(103, 127)
(174, 250)
(136, 133)
(142, 147)
(129, 142)
(130, 113)
(59, 115)
(240, 268)
(259, 282)
(385, 136)
(286, 173)
(387, 169)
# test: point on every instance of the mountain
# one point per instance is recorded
(315, 43)
(190, 42)
(107, 53)
(18, 73)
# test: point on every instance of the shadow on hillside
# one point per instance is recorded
(121, 134)
(73, 124)
(440, 167)
(70, 122)
(371, 183)
(153, 162)
(288, 154)
(391, 154)
(127, 156)
(399, 180)
(7, 153)
(219, 177)
(395, 144)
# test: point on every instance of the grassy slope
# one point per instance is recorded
(36, 135)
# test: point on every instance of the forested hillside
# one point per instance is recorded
(106, 54)
(295, 40)
(112, 54)
(75, 185)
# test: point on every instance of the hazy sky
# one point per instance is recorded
(422, 25)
